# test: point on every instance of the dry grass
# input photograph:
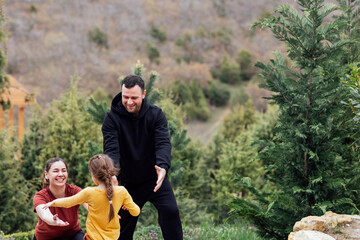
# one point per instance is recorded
(46, 47)
(204, 131)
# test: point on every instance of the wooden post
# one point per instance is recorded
(2, 117)
(10, 120)
(21, 122)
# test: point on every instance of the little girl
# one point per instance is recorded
(104, 200)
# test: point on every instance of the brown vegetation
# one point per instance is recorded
(48, 40)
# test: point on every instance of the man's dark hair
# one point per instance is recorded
(132, 80)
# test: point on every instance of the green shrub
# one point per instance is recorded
(184, 41)
(158, 34)
(98, 37)
(152, 52)
(16, 193)
(229, 71)
(218, 93)
(192, 99)
(33, 9)
(19, 236)
(215, 72)
(239, 97)
(244, 60)
(223, 35)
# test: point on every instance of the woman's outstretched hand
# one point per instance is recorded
(58, 222)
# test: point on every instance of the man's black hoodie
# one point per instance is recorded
(136, 143)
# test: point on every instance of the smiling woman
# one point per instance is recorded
(56, 223)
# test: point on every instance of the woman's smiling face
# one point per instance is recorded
(57, 174)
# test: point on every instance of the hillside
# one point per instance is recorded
(48, 39)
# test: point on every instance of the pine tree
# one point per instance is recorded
(229, 71)
(68, 133)
(31, 166)
(16, 193)
(244, 59)
(241, 117)
(97, 110)
(353, 101)
(308, 160)
(238, 156)
(349, 21)
(4, 80)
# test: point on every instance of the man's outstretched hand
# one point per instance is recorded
(161, 172)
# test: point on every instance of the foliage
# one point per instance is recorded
(183, 173)
(97, 110)
(218, 93)
(241, 117)
(192, 99)
(153, 94)
(185, 42)
(229, 71)
(33, 8)
(15, 202)
(4, 80)
(31, 166)
(264, 210)
(239, 97)
(308, 160)
(349, 24)
(158, 34)
(98, 37)
(238, 156)
(220, 7)
(353, 101)
(204, 231)
(152, 53)
(19, 236)
(244, 59)
(68, 131)
(223, 35)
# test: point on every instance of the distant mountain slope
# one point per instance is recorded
(48, 39)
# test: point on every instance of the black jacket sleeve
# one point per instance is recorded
(111, 140)
(162, 142)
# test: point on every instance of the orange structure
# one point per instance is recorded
(20, 97)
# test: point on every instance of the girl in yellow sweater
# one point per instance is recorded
(104, 200)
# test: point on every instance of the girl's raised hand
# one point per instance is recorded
(47, 205)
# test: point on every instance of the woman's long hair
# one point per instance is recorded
(101, 166)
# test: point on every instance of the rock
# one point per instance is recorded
(335, 226)
(310, 223)
(309, 235)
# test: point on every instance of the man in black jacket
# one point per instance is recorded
(136, 137)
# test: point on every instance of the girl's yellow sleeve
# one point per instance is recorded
(132, 207)
(68, 202)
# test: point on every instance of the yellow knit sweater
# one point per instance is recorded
(97, 223)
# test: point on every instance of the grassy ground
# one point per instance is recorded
(204, 131)
(203, 232)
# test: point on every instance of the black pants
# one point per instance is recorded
(165, 203)
(78, 236)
